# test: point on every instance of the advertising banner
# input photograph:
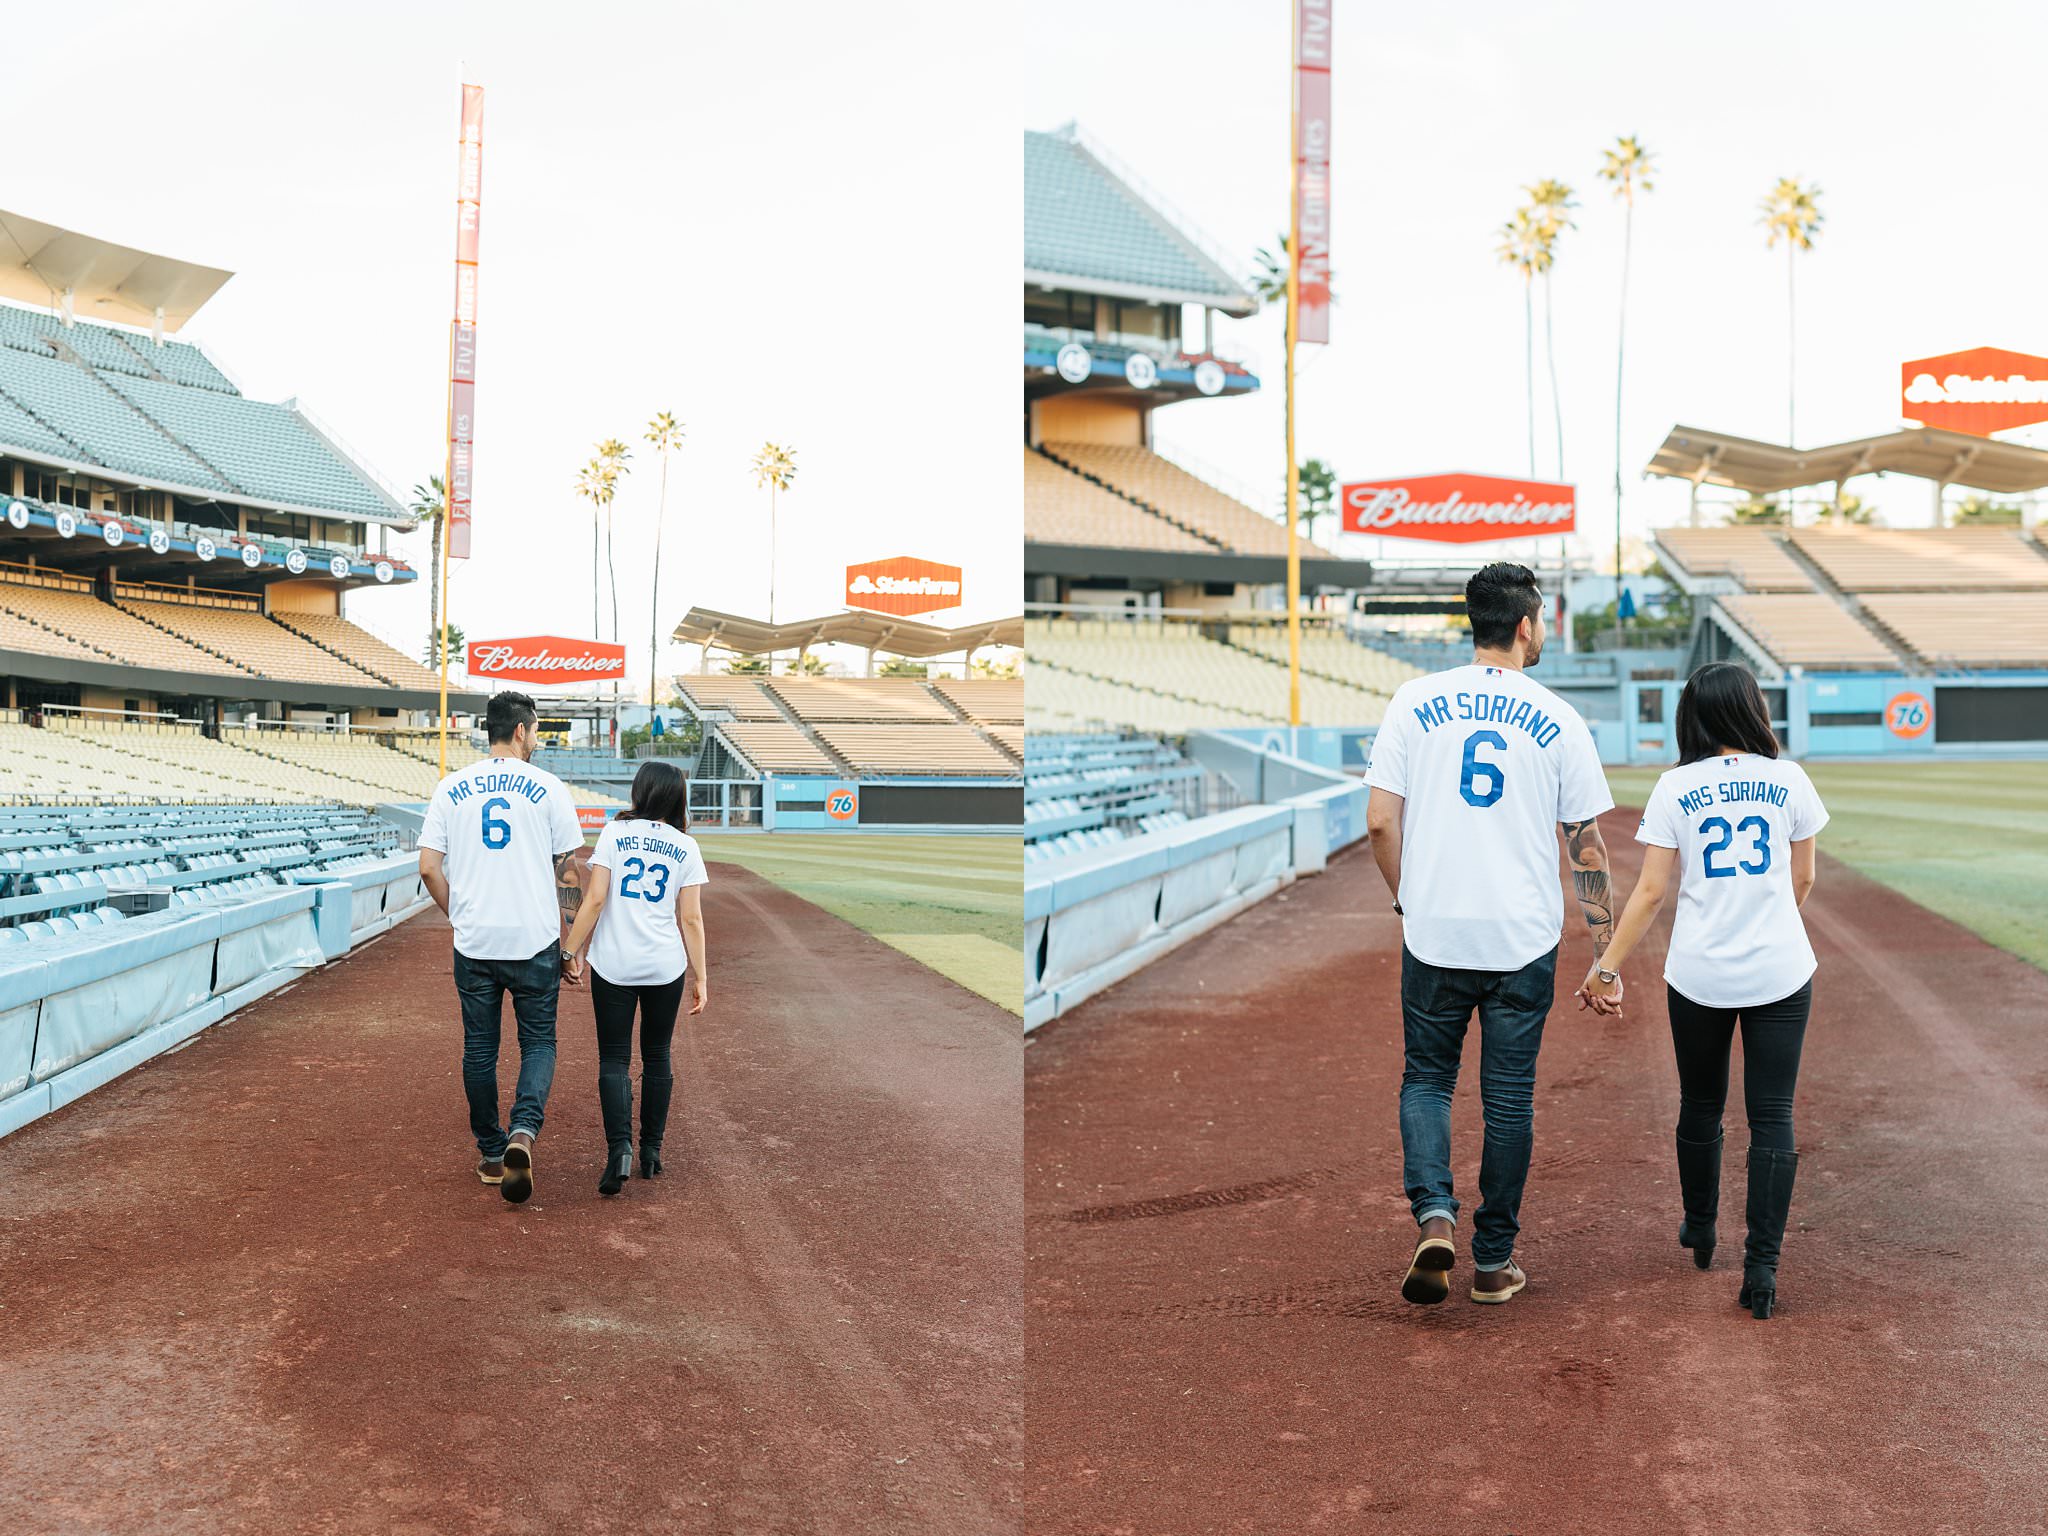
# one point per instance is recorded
(469, 190)
(544, 659)
(1312, 165)
(1980, 391)
(1458, 509)
(903, 586)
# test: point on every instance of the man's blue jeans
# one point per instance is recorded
(482, 985)
(1436, 1007)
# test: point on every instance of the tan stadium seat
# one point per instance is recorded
(915, 749)
(1326, 652)
(1924, 559)
(362, 649)
(876, 699)
(986, 700)
(1980, 629)
(112, 631)
(1185, 498)
(261, 646)
(741, 695)
(1009, 737)
(1807, 630)
(775, 746)
(1060, 507)
(1752, 556)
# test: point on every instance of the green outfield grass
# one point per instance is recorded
(955, 904)
(1967, 840)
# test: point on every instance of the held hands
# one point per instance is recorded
(1603, 997)
(572, 969)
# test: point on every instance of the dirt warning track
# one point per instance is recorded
(1216, 1234)
(255, 1286)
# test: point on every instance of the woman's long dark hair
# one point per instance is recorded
(661, 792)
(1720, 707)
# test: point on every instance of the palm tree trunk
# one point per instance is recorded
(1550, 354)
(654, 598)
(1791, 351)
(1529, 363)
(434, 601)
(612, 575)
(771, 552)
(1628, 221)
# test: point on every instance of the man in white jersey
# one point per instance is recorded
(1472, 773)
(498, 855)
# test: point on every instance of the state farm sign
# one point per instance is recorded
(1458, 509)
(903, 586)
(545, 659)
(1981, 391)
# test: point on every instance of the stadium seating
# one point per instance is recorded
(985, 700)
(741, 695)
(915, 749)
(362, 649)
(102, 347)
(1808, 630)
(1923, 559)
(1982, 629)
(776, 747)
(1009, 737)
(1753, 556)
(1326, 652)
(874, 699)
(1060, 507)
(97, 423)
(1144, 476)
(259, 645)
(112, 632)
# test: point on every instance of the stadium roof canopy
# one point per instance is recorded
(1086, 228)
(872, 631)
(39, 263)
(1947, 458)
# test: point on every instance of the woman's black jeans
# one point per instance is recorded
(1772, 1034)
(614, 1006)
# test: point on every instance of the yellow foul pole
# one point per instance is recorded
(1293, 319)
(447, 481)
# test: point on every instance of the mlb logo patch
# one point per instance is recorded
(1493, 672)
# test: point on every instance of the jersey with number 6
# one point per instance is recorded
(637, 942)
(1737, 940)
(1489, 762)
(499, 824)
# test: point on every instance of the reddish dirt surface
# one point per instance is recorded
(1216, 1235)
(256, 1286)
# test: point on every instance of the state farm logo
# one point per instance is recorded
(1981, 391)
(903, 586)
(545, 658)
(1459, 509)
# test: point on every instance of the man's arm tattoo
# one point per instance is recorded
(1589, 880)
(568, 886)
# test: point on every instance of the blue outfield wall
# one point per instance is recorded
(79, 1010)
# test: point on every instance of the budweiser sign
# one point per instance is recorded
(1981, 391)
(1458, 509)
(545, 659)
(903, 586)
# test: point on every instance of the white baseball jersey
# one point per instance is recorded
(637, 943)
(1737, 940)
(500, 823)
(1489, 762)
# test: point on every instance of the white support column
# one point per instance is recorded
(65, 312)
(156, 330)
(1940, 520)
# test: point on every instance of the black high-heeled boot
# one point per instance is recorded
(1770, 1202)
(1699, 1183)
(654, 1097)
(618, 1167)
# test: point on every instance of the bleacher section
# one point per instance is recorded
(1327, 653)
(1181, 679)
(815, 700)
(1923, 559)
(1060, 507)
(741, 696)
(1807, 630)
(1984, 629)
(1143, 476)
(97, 425)
(1084, 791)
(984, 700)
(918, 749)
(1753, 557)
(776, 746)
(112, 633)
(361, 648)
(256, 642)
(887, 726)
(104, 348)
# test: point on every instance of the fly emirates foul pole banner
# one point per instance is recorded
(1459, 509)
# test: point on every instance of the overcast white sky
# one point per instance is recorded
(796, 222)
(1921, 124)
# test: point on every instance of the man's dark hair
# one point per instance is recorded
(507, 712)
(1497, 599)
(1722, 706)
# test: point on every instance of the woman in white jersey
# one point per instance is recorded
(1738, 823)
(643, 918)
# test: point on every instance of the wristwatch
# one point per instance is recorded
(1605, 974)
(1397, 910)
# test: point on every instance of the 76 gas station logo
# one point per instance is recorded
(841, 804)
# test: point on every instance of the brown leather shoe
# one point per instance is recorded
(1497, 1285)
(1428, 1279)
(518, 1185)
(490, 1172)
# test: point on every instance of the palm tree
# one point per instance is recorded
(430, 505)
(615, 453)
(1626, 168)
(774, 467)
(596, 482)
(664, 435)
(1318, 483)
(1551, 203)
(1791, 213)
(452, 632)
(1524, 246)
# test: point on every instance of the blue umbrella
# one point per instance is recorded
(1627, 606)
